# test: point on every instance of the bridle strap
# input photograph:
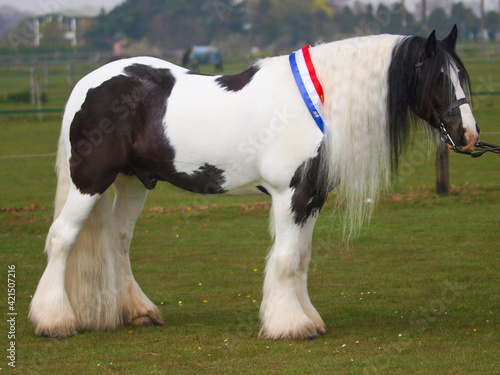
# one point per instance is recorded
(456, 104)
(445, 135)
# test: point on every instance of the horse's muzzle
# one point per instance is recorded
(470, 141)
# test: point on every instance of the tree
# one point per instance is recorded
(438, 20)
(137, 19)
(174, 24)
(347, 20)
(458, 14)
(491, 24)
(472, 24)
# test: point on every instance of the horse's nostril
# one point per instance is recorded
(467, 142)
(464, 141)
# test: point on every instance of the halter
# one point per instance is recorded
(445, 135)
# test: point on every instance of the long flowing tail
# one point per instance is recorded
(63, 178)
(91, 281)
(99, 282)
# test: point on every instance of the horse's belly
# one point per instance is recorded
(210, 172)
(223, 136)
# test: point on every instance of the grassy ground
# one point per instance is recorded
(416, 293)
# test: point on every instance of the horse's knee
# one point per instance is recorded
(284, 262)
(60, 239)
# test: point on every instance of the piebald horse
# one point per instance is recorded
(137, 121)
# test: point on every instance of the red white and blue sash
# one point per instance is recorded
(308, 84)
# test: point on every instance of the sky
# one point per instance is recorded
(50, 6)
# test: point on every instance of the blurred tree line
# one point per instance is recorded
(174, 24)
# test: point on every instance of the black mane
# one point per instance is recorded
(402, 96)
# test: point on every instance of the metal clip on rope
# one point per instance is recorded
(481, 147)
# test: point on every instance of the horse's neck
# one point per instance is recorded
(355, 71)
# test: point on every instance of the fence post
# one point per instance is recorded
(46, 74)
(70, 73)
(32, 85)
(442, 170)
(39, 99)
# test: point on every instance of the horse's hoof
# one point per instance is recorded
(305, 333)
(145, 321)
(56, 333)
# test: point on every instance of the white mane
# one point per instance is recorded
(354, 75)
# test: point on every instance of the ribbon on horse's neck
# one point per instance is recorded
(308, 84)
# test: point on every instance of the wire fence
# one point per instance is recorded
(39, 84)
(54, 75)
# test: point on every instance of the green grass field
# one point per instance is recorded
(416, 293)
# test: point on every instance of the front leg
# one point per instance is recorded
(286, 311)
(301, 275)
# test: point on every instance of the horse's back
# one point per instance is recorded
(209, 134)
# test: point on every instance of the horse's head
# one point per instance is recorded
(441, 87)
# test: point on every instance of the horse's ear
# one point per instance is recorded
(451, 39)
(430, 45)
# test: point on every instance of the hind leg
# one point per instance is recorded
(129, 200)
(50, 310)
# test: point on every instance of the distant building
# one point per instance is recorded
(74, 23)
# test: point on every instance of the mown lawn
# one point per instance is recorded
(416, 293)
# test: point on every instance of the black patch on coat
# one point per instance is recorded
(119, 129)
(207, 179)
(238, 81)
(263, 189)
(311, 188)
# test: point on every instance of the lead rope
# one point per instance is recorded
(445, 136)
(482, 146)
